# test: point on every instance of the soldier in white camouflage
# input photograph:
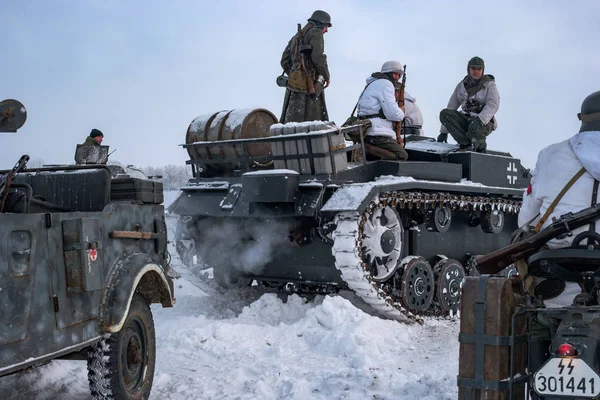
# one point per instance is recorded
(479, 100)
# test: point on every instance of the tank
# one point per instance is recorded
(305, 218)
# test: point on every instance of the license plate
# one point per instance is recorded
(567, 377)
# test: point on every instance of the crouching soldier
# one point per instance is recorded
(378, 104)
(478, 98)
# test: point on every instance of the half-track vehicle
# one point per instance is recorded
(82, 257)
(398, 234)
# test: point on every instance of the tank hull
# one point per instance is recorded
(398, 234)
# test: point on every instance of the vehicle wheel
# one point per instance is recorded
(449, 275)
(418, 285)
(121, 365)
(492, 221)
(229, 280)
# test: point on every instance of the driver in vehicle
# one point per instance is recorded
(572, 165)
(556, 166)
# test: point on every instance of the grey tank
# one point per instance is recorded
(306, 219)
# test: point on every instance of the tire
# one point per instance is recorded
(121, 366)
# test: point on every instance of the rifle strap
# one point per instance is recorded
(594, 201)
(550, 209)
(358, 101)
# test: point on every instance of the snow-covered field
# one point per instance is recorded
(255, 344)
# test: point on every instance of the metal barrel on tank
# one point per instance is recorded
(227, 125)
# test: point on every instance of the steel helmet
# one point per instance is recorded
(476, 62)
(590, 113)
(322, 17)
(392, 66)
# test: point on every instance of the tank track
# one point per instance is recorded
(348, 248)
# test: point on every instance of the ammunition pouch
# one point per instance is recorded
(297, 80)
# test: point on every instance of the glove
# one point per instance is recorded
(442, 137)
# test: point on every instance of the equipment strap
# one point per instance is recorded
(550, 209)
(594, 200)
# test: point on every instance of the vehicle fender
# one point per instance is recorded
(128, 275)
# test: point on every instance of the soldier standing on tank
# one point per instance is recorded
(95, 138)
(306, 48)
(478, 98)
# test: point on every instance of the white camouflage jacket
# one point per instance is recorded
(556, 165)
(488, 95)
(379, 95)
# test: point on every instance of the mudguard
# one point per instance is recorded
(129, 274)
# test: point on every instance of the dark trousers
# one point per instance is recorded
(464, 131)
(388, 144)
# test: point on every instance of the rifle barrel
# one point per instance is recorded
(497, 260)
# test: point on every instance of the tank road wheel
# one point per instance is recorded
(121, 366)
(449, 276)
(382, 242)
(418, 285)
(438, 219)
(492, 221)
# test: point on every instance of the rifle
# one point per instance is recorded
(310, 85)
(5, 185)
(400, 125)
(496, 261)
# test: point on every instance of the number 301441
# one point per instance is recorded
(566, 385)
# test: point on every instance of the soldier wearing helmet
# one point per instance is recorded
(378, 104)
(479, 100)
(306, 47)
(577, 160)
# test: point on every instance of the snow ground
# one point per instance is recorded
(255, 344)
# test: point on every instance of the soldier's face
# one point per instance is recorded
(325, 29)
(475, 73)
(98, 139)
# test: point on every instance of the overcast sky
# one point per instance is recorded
(141, 71)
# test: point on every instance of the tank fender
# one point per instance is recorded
(129, 274)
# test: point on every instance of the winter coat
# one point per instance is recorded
(89, 141)
(488, 95)
(316, 61)
(379, 95)
(556, 165)
(413, 112)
